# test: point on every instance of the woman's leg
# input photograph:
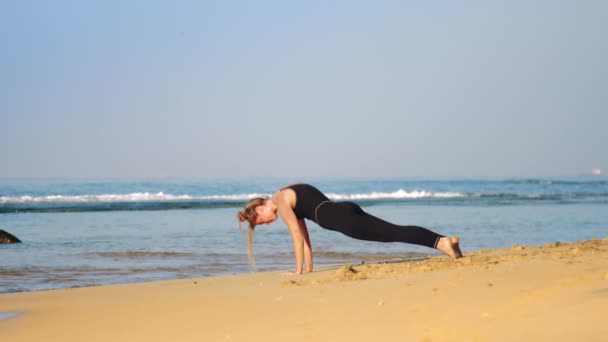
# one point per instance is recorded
(349, 219)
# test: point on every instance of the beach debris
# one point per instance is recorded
(6, 237)
(291, 282)
(7, 315)
(349, 272)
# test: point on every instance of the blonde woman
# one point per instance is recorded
(297, 202)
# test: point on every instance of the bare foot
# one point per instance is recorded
(450, 246)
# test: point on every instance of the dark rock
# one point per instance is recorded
(6, 237)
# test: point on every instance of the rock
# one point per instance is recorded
(6, 237)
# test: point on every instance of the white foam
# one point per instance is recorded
(399, 194)
(162, 197)
(240, 197)
(132, 197)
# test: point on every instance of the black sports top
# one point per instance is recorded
(308, 199)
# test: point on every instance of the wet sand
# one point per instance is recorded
(555, 292)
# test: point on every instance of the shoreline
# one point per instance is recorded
(490, 295)
(336, 260)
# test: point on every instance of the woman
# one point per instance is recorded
(297, 202)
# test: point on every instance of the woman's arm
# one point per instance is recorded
(296, 236)
(285, 210)
(307, 245)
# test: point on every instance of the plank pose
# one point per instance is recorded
(297, 202)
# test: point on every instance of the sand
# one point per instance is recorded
(556, 292)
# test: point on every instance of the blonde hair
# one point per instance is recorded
(250, 215)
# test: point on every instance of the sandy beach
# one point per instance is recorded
(555, 292)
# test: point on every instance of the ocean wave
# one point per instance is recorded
(162, 197)
(164, 201)
(541, 181)
(399, 194)
(121, 198)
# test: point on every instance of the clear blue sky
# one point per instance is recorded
(315, 88)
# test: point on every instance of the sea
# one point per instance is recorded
(78, 233)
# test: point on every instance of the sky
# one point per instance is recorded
(374, 89)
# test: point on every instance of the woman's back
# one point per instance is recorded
(308, 199)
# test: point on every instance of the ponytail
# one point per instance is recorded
(250, 215)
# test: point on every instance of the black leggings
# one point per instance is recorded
(349, 219)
